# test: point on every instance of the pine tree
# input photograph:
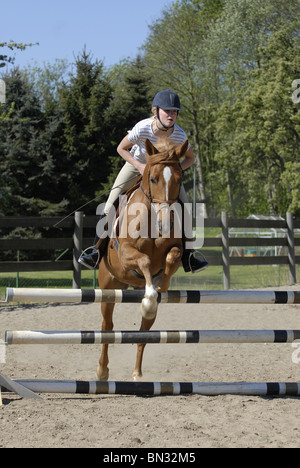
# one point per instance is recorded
(85, 100)
(25, 160)
(131, 103)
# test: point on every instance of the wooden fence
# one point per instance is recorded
(76, 242)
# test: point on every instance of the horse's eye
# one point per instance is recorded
(153, 180)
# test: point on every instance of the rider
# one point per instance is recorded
(165, 107)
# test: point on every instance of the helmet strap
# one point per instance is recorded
(161, 132)
(165, 128)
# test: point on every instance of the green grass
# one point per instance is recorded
(242, 277)
(47, 279)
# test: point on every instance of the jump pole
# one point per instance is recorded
(136, 296)
(159, 337)
(162, 388)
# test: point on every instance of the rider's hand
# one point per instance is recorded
(140, 167)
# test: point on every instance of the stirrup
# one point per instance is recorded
(90, 260)
(193, 264)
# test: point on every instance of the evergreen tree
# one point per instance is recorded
(131, 103)
(85, 100)
(25, 159)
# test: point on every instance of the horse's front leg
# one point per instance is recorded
(133, 259)
(173, 261)
(149, 303)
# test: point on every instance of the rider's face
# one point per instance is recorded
(168, 117)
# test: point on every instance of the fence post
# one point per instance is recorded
(78, 233)
(225, 250)
(291, 247)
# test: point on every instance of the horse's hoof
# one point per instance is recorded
(102, 376)
(136, 376)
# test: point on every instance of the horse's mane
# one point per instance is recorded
(166, 153)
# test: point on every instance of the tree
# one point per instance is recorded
(241, 45)
(179, 63)
(261, 139)
(25, 159)
(236, 38)
(131, 103)
(48, 81)
(84, 100)
(5, 59)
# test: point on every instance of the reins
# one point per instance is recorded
(91, 201)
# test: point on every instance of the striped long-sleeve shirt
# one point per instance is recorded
(143, 130)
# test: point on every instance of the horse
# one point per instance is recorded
(145, 261)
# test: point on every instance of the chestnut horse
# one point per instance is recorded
(142, 260)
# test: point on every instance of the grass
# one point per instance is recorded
(242, 277)
(47, 279)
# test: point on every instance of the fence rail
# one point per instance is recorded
(76, 241)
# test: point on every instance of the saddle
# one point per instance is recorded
(116, 225)
(120, 207)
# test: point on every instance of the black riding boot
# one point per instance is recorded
(191, 263)
(92, 256)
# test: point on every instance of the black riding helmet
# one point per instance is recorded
(167, 100)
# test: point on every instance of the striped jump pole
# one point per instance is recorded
(162, 388)
(136, 296)
(130, 337)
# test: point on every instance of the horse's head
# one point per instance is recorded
(162, 180)
(163, 174)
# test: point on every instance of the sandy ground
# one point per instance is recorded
(109, 421)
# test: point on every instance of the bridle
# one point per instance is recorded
(149, 195)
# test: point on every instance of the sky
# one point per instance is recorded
(112, 30)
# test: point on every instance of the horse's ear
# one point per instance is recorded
(150, 148)
(181, 150)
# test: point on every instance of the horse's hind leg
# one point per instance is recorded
(107, 325)
(106, 281)
(145, 326)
